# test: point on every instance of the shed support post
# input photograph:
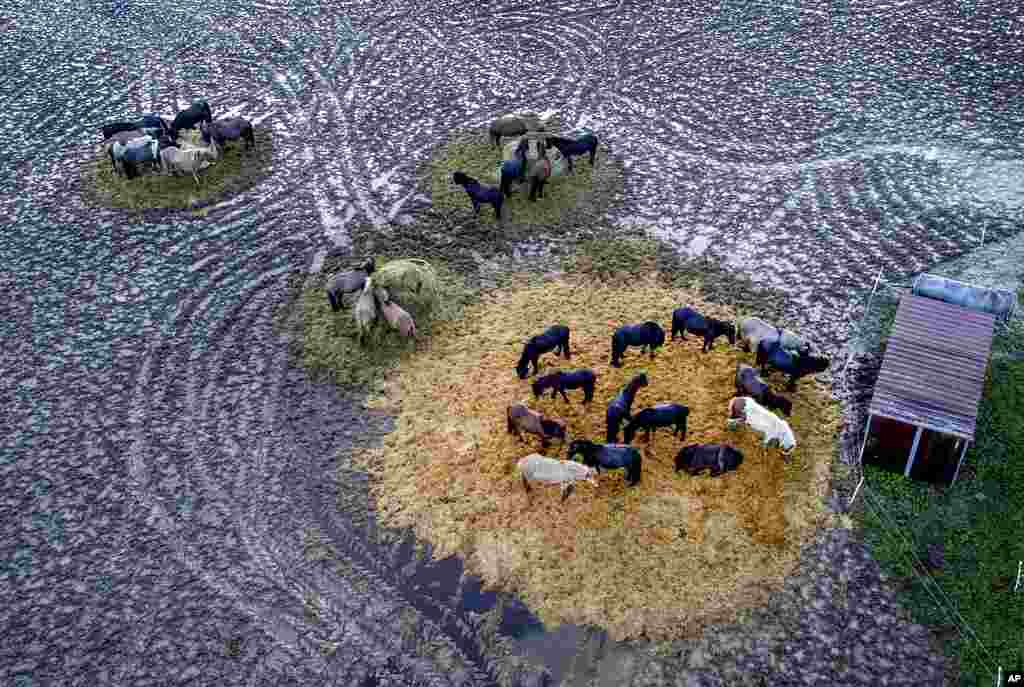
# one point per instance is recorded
(913, 451)
(864, 441)
(960, 462)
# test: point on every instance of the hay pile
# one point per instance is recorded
(330, 345)
(657, 560)
(234, 172)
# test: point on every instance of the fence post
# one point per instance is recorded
(863, 319)
(999, 677)
(1020, 568)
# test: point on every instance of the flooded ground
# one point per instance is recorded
(166, 466)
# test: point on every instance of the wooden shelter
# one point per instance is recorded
(932, 379)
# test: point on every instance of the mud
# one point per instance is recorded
(167, 465)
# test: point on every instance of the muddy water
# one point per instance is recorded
(163, 461)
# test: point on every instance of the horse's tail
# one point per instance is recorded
(508, 418)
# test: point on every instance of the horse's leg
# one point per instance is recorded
(526, 484)
(567, 488)
(792, 383)
(562, 389)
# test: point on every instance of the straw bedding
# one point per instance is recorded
(658, 560)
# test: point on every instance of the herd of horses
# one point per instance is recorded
(155, 141)
(533, 158)
(753, 404)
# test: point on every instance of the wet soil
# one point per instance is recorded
(170, 504)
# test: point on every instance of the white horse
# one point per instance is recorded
(538, 468)
(746, 411)
(189, 161)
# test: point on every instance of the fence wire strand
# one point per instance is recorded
(949, 607)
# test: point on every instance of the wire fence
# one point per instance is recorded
(880, 509)
(868, 336)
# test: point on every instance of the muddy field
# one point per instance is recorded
(171, 504)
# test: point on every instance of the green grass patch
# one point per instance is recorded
(979, 522)
(471, 152)
(330, 343)
(236, 171)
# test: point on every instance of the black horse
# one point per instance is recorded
(696, 458)
(231, 129)
(480, 194)
(197, 112)
(559, 381)
(609, 457)
(618, 409)
(771, 354)
(749, 383)
(556, 339)
(689, 320)
(570, 148)
(648, 334)
(662, 415)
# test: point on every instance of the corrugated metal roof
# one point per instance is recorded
(933, 373)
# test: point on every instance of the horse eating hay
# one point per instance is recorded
(519, 417)
(672, 415)
(347, 282)
(744, 410)
(480, 194)
(559, 381)
(556, 338)
(687, 319)
(609, 457)
(225, 130)
(565, 473)
(646, 335)
(569, 148)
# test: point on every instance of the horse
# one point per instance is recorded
(189, 161)
(744, 410)
(749, 383)
(519, 417)
(753, 330)
(619, 408)
(364, 312)
(538, 175)
(689, 320)
(556, 339)
(609, 457)
(397, 318)
(649, 334)
(513, 125)
(662, 415)
(480, 194)
(587, 143)
(120, 137)
(696, 458)
(509, 171)
(134, 152)
(231, 129)
(108, 130)
(348, 282)
(565, 473)
(197, 112)
(795, 365)
(559, 381)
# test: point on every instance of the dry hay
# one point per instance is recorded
(657, 560)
